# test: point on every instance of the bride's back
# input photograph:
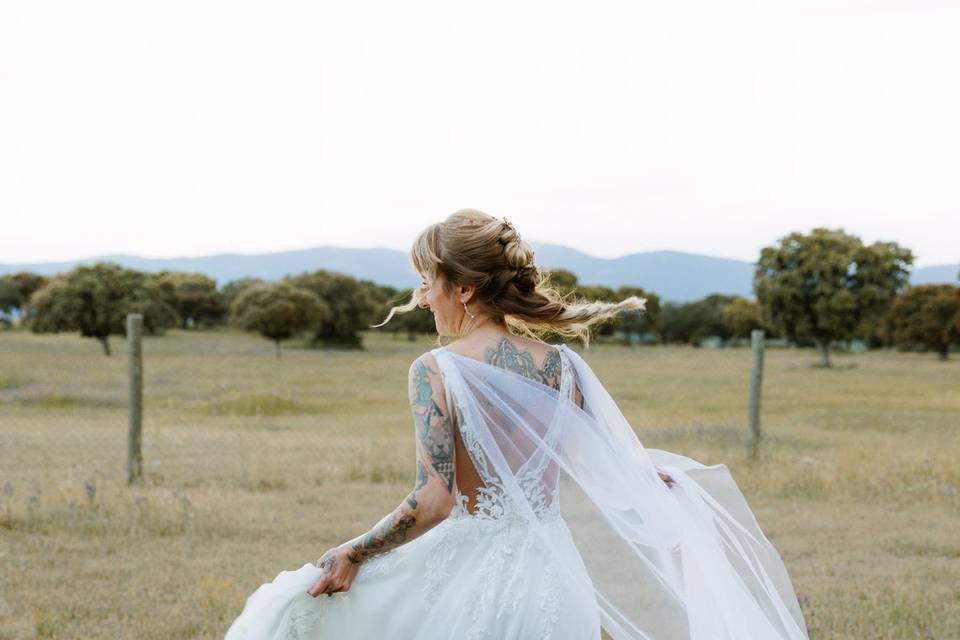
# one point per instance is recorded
(535, 360)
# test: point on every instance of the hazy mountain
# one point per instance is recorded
(944, 273)
(673, 275)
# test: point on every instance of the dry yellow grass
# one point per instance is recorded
(254, 465)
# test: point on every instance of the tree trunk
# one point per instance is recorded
(276, 343)
(105, 341)
(823, 348)
(943, 352)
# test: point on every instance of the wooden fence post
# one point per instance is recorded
(756, 380)
(135, 403)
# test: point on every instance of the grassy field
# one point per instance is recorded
(255, 464)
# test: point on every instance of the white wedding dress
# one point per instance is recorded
(624, 552)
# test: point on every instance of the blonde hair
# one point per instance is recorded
(471, 247)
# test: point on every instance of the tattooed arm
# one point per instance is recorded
(431, 499)
(426, 505)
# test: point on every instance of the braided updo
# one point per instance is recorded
(516, 252)
(471, 247)
(519, 256)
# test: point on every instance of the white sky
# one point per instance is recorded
(188, 127)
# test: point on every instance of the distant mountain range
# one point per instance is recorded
(673, 275)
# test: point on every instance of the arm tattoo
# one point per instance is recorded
(387, 534)
(435, 456)
(434, 429)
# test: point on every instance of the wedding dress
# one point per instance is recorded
(573, 530)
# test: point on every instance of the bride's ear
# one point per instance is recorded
(466, 293)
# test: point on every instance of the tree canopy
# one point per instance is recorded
(277, 311)
(926, 315)
(827, 285)
(95, 301)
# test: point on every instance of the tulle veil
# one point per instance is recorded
(681, 562)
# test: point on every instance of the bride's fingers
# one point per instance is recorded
(318, 587)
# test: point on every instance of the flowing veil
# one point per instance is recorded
(684, 562)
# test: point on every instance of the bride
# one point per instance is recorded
(536, 512)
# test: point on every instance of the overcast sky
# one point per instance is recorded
(181, 128)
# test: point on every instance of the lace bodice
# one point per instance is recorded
(538, 478)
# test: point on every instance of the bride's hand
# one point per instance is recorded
(338, 572)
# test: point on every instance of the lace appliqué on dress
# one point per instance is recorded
(549, 600)
(497, 589)
(306, 612)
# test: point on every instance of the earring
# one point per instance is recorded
(467, 310)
